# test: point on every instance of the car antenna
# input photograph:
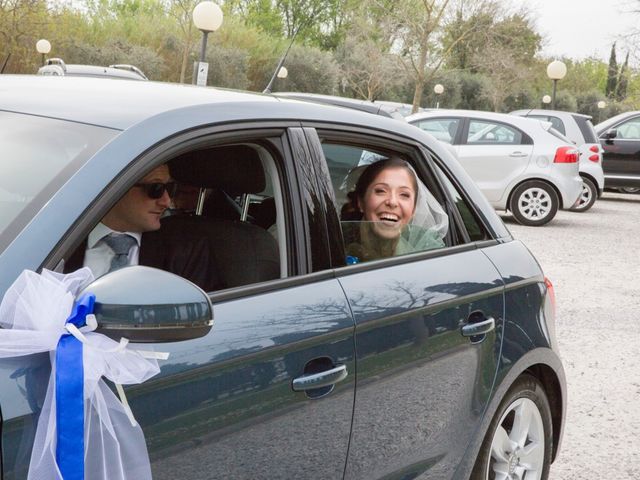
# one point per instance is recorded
(4, 65)
(284, 57)
(280, 63)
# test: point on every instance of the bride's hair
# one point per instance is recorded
(351, 211)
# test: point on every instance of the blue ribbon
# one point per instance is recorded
(70, 395)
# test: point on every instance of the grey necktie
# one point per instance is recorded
(120, 243)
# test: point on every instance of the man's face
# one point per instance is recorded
(135, 211)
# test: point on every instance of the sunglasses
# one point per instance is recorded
(156, 190)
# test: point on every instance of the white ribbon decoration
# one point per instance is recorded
(32, 316)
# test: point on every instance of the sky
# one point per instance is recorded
(584, 28)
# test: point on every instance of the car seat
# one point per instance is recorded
(217, 253)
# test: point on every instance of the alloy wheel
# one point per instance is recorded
(517, 447)
(535, 203)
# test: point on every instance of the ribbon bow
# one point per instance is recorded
(83, 429)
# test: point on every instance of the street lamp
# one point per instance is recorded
(207, 17)
(556, 70)
(43, 47)
(546, 99)
(601, 106)
(438, 89)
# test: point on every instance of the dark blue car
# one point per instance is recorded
(321, 362)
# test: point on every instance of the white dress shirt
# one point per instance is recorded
(98, 255)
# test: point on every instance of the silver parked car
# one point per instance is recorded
(520, 164)
(579, 129)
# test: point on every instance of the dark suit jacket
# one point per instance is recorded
(189, 259)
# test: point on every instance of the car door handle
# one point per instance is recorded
(518, 154)
(478, 328)
(319, 380)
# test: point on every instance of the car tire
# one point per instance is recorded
(534, 203)
(629, 189)
(519, 441)
(587, 197)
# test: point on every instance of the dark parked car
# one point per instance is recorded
(620, 140)
(437, 363)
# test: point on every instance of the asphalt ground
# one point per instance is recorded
(593, 261)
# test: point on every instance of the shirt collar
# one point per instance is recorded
(101, 230)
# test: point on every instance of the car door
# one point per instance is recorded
(269, 391)
(621, 154)
(422, 383)
(494, 154)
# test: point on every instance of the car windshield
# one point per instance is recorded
(38, 156)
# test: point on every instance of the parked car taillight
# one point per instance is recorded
(596, 150)
(566, 155)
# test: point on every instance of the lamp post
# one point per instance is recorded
(601, 106)
(207, 17)
(546, 100)
(438, 89)
(43, 47)
(556, 70)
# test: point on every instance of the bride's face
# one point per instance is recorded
(389, 201)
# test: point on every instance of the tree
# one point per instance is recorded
(612, 74)
(420, 27)
(623, 80)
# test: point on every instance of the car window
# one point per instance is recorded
(483, 132)
(586, 128)
(221, 219)
(386, 208)
(39, 155)
(556, 122)
(629, 129)
(443, 129)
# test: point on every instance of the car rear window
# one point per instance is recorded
(39, 155)
(586, 128)
(555, 122)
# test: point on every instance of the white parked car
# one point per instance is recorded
(521, 165)
(579, 129)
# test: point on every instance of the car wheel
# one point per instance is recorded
(534, 203)
(629, 189)
(587, 197)
(518, 443)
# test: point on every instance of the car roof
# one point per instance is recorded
(355, 103)
(121, 104)
(542, 111)
(522, 122)
(605, 124)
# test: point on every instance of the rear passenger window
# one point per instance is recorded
(386, 208)
(555, 122)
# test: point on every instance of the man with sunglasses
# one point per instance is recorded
(117, 241)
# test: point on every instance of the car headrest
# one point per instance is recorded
(236, 169)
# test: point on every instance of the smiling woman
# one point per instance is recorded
(390, 212)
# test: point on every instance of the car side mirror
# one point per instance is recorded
(146, 305)
(610, 134)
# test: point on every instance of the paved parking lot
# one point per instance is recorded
(593, 260)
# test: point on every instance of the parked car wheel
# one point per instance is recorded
(587, 197)
(629, 189)
(534, 203)
(518, 443)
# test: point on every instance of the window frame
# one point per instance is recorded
(420, 157)
(273, 136)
